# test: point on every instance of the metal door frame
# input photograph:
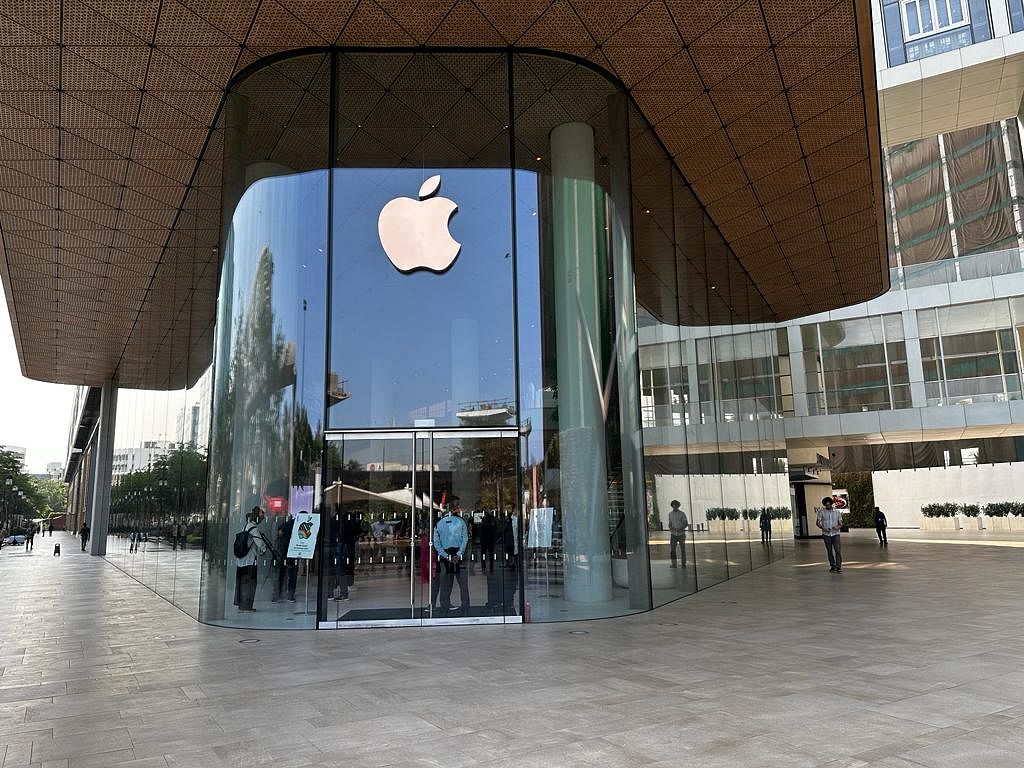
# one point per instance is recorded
(413, 434)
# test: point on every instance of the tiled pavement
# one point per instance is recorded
(909, 658)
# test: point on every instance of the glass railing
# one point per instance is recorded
(973, 267)
(979, 389)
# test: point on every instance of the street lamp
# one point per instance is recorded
(7, 485)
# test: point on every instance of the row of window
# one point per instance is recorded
(970, 353)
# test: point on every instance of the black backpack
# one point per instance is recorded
(243, 543)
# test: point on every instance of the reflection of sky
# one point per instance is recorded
(416, 346)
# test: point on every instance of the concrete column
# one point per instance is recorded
(797, 372)
(915, 368)
(103, 457)
(634, 495)
(236, 151)
(577, 271)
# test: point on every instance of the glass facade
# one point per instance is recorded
(435, 397)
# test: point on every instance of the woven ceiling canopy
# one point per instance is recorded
(768, 108)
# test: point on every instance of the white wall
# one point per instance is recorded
(699, 493)
(902, 493)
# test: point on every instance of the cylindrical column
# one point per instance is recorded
(578, 267)
(103, 456)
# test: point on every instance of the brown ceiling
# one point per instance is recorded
(109, 199)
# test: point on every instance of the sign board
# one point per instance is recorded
(304, 532)
(541, 522)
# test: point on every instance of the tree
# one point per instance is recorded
(21, 499)
(54, 494)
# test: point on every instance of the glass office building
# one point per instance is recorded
(434, 275)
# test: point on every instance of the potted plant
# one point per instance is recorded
(997, 513)
(970, 510)
(938, 516)
(716, 517)
(1016, 516)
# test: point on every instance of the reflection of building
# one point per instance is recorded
(676, 169)
(140, 457)
(928, 376)
(54, 470)
(17, 450)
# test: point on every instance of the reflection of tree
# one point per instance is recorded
(250, 443)
(490, 466)
(167, 499)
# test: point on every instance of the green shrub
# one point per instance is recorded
(1003, 508)
(722, 513)
(780, 513)
(970, 510)
(944, 509)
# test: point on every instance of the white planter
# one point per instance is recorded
(998, 524)
(938, 523)
(662, 574)
(1016, 523)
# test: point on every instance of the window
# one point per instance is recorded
(926, 17)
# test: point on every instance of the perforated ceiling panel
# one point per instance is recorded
(110, 222)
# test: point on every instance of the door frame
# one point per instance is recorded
(412, 434)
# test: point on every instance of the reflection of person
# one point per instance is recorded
(50, 528)
(880, 525)
(830, 521)
(245, 567)
(677, 525)
(287, 568)
(83, 534)
(488, 533)
(766, 526)
(451, 538)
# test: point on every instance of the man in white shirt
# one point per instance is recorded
(677, 525)
(830, 521)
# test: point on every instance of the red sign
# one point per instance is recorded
(276, 504)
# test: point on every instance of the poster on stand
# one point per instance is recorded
(541, 520)
(304, 532)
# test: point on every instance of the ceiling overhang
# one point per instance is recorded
(768, 108)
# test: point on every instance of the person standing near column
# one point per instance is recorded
(880, 525)
(83, 533)
(830, 521)
(245, 565)
(765, 519)
(677, 525)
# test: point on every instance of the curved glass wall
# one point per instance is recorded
(433, 270)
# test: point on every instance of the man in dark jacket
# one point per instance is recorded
(880, 525)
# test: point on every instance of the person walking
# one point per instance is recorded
(677, 525)
(830, 521)
(30, 537)
(880, 525)
(765, 519)
(50, 528)
(83, 534)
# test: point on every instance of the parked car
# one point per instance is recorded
(14, 541)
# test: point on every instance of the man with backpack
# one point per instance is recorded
(248, 546)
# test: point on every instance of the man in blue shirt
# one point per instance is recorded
(450, 540)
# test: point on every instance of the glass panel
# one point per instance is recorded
(474, 479)
(369, 561)
(446, 312)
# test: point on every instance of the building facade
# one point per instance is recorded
(919, 388)
(407, 262)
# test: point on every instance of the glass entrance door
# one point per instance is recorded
(422, 527)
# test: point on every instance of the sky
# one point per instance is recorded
(33, 415)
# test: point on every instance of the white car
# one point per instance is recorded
(14, 541)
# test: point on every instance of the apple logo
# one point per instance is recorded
(414, 233)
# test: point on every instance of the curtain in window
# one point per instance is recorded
(982, 206)
(919, 197)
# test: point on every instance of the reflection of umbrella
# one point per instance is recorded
(338, 491)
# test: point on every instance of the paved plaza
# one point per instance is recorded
(911, 657)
